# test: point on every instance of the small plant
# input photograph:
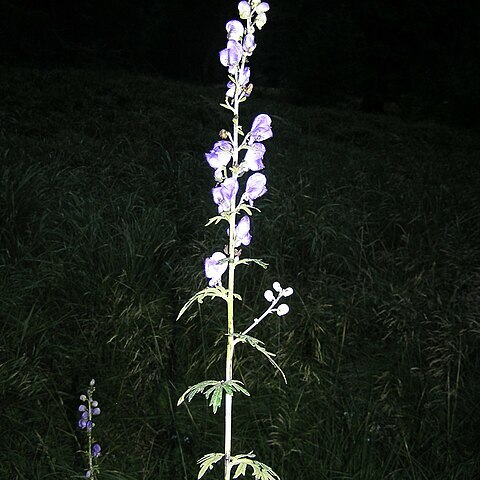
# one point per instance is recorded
(233, 175)
(88, 409)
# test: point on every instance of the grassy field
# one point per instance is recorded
(374, 220)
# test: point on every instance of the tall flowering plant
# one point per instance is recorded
(237, 161)
(88, 409)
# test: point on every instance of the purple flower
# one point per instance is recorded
(220, 154)
(224, 195)
(261, 128)
(249, 44)
(243, 79)
(254, 156)
(215, 268)
(96, 449)
(88, 474)
(255, 187)
(234, 30)
(242, 232)
(230, 57)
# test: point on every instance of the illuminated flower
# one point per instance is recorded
(256, 187)
(244, 10)
(224, 195)
(249, 44)
(215, 267)
(234, 30)
(230, 57)
(254, 156)
(220, 154)
(261, 128)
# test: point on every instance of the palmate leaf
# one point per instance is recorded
(194, 389)
(207, 462)
(258, 345)
(212, 292)
(214, 392)
(260, 471)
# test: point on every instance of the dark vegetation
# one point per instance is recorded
(414, 55)
(373, 220)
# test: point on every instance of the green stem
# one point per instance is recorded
(230, 348)
(90, 418)
(231, 286)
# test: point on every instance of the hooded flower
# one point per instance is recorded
(242, 232)
(243, 79)
(96, 449)
(224, 194)
(220, 154)
(249, 44)
(260, 20)
(244, 10)
(254, 156)
(255, 187)
(263, 7)
(230, 57)
(215, 268)
(234, 30)
(261, 128)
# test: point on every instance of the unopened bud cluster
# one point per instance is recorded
(283, 308)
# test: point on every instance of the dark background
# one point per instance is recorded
(379, 51)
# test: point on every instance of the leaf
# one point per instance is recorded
(206, 292)
(207, 462)
(194, 389)
(260, 470)
(258, 261)
(218, 218)
(214, 393)
(258, 345)
(216, 399)
(247, 209)
(241, 470)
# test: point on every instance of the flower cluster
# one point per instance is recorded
(88, 409)
(225, 156)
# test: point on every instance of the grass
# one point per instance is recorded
(374, 220)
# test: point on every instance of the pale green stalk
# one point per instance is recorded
(90, 417)
(230, 306)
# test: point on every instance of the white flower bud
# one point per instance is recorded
(260, 20)
(92, 382)
(269, 296)
(218, 175)
(83, 398)
(94, 404)
(263, 7)
(277, 287)
(244, 10)
(282, 309)
(287, 291)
